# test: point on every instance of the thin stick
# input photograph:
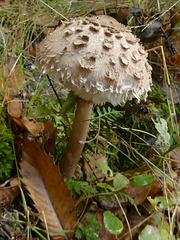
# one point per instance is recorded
(170, 91)
(46, 226)
(160, 15)
(169, 159)
(169, 85)
(54, 90)
(141, 223)
(129, 227)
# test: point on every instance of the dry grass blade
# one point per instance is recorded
(47, 189)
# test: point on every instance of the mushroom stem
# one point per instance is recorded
(77, 138)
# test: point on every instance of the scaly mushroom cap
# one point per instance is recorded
(98, 58)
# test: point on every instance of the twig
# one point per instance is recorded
(160, 15)
(169, 159)
(169, 85)
(54, 90)
(97, 195)
(129, 227)
(46, 226)
(141, 223)
(170, 92)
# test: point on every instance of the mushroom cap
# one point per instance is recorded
(98, 58)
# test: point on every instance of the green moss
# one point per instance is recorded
(6, 151)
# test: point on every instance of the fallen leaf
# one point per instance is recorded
(140, 193)
(134, 219)
(89, 166)
(14, 107)
(48, 190)
(35, 128)
(9, 190)
(49, 137)
(11, 81)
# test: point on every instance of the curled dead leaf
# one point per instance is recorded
(35, 128)
(48, 190)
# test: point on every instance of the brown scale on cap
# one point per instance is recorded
(101, 61)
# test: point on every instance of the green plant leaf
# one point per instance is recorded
(163, 202)
(106, 187)
(142, 180)
(40, 111)
(105, 168)
(162, 129)
(90, 230)
(69, 104)
(79, 187)
(120, 181)
(34, 97)
(150, 233)
(112, 223)
(157, 218)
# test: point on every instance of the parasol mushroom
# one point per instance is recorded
(100, 60)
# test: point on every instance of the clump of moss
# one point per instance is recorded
(6, 151)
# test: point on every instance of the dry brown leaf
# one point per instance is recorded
(47, 189)
(9, 190)
(89, 167)
(14, 106)
(35, 128)
(140, 193)
(11, 81)
(134, 220)
(49, 137)
(14, 79)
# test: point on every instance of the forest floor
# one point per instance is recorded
(127, 183)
